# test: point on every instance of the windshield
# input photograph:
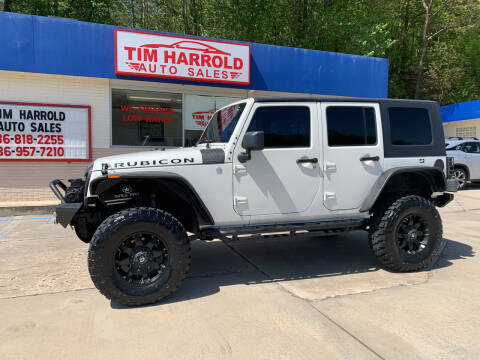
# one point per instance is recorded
(222, 124)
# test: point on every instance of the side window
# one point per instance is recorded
(351, 126)
(409, 126)
(284, 126)
(471, 147)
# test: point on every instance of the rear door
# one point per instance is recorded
(353, 152)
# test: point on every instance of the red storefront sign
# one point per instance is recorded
(180, 57)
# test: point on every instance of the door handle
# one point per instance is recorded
(302, 161)
(372, 158)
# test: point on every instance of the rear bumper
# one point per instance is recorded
(443, 199)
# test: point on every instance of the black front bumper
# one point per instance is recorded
(65, 212)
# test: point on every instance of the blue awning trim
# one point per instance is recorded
(68, 47)
(461, 111)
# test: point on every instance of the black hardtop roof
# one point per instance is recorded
(340, 99)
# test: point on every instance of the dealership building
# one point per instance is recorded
(462, 119)
(71, 91)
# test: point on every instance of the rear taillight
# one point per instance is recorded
(450, 164)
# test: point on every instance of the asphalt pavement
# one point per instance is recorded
(310, 298)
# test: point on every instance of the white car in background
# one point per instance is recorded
(466, 155)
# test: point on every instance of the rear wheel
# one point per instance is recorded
(408, 235)
(139, 256)
(461, 175)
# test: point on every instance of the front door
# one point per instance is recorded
(353, 152)
(284, 177)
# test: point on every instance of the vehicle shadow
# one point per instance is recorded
(218, 264)
(472, 186)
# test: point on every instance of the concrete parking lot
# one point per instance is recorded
(309, 298)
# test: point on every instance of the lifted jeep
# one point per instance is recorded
(299, 166)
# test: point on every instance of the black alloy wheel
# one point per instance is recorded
(406, 235)
(141, 259)
(139, 256)
(413, 235)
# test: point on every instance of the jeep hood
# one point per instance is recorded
(161, 158)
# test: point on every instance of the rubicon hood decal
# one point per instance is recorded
(141, 163)
(161, 158)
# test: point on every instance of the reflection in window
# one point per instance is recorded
(222, 124)
(197, 111)
(146, 118)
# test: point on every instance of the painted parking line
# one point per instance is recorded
(27, 219)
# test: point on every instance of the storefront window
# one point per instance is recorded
(146, 118)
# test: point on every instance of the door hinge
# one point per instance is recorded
(329, 196)
(239, 169)
(329, 166)
(240, 200)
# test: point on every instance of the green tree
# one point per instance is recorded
(433, 45)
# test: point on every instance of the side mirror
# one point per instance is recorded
(252, 140)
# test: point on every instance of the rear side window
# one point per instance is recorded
(283, 126)
(409, 126)
(351, 126)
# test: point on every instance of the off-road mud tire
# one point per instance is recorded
(382, 233)
(110, 235)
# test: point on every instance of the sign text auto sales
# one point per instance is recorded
(44, 132)
(145, 54)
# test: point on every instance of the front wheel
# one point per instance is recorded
(407, 236)
(139, 256)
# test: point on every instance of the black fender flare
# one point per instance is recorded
(433, 175)
(181, 186)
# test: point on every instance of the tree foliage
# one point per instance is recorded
(433, 45)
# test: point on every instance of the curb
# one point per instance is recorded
(26, 210)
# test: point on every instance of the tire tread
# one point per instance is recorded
(381, 244)
(105, 284)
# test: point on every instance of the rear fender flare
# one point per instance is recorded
(434, 177)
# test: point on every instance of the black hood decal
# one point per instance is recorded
(213, 156)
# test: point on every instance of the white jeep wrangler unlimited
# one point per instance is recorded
(300, 166)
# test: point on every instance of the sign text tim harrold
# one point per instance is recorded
(178, 57)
